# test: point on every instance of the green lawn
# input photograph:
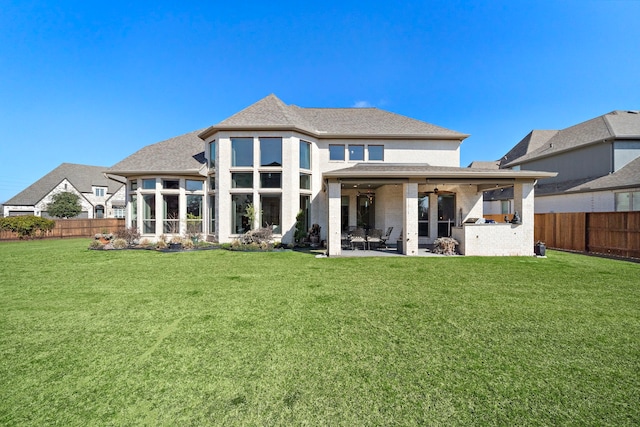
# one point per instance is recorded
(226, 338)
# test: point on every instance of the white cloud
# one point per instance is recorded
(362, 104)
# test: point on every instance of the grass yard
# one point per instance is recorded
(224, 338)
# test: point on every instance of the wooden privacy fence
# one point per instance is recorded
(608, 233)
(76, 228)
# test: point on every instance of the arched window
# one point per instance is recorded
(99, 211)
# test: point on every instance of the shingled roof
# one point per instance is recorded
(182, 154)
(82, 177)
(272, 113)
(614, 125)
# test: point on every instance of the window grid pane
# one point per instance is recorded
(376, 152)
(305, 155)
(271, 180)
(336, 152)
(241, 151)
(356, 152)
(270, 151)
(242, 180)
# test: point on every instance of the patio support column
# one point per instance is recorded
(523, 201)
(410, 218)
(333, 222)
(523, 194)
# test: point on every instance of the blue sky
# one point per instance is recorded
(92, 82)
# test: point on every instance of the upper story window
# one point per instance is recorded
(356, 152)
(149, 184)
(133, 185)
(305, 181)
(376, 152)
(242, 180)
(242, 152)
(305, 155)
(212, 154)
(193, 185)
(270, 151)
(270, 180)
(171, 184)
(336, 152)
(99, 191)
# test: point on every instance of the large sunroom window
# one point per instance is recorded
(212, 214)
(133, 200)
(149, 213)
(305, 155)
(270, 151)
(242, 180)
(242, 152)
(239, 219)
(270, 180)
(271, 208)
(171, 220)
(194, 213)
(212, 154)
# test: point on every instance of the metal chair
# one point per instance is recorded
(386, 237)
(358, 237)
(375, 237)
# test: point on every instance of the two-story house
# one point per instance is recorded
(342, 167)
(598, 165)
(99, 196)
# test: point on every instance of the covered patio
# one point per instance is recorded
(423, 202)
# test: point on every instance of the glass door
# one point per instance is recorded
(366, 211)
(446, 214)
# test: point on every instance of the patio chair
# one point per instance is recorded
(375, 237)
(386, 237)
(358, 237)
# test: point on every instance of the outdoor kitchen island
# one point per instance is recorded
(494, 239)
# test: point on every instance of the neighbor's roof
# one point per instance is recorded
(272, 113)
(82, 177)
(615, 125)
(182, 154)
(626, 177)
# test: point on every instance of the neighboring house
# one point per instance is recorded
(598, 165)
(100, 197)
(342, 167)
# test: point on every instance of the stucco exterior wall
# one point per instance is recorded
(440, 153)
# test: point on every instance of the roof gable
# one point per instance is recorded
(81, 177)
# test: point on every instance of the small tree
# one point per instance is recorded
(301, 229)
(251, 213)
(64, 205)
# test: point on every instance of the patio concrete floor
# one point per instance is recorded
(384, 252)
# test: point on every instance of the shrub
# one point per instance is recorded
(445, 246)
(27, 226)
(161, 244)
(130, 234)
(258, 236)
(187, 244)
(119, 243)
(95, 244)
